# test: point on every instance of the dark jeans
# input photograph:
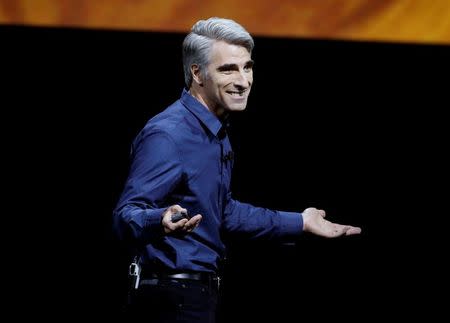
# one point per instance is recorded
(170, 300)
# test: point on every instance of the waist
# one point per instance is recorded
(147, 273)
(198, 276)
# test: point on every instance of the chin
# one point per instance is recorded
(237, 107)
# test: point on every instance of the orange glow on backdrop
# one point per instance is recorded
(418, 21)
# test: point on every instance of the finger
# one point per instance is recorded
(178, 225)
(196, 218)
(193, 222)
(352, 231)
(177, 208)
(170, 226)
(322, 213)
(339, 230)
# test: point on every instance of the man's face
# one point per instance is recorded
(229, 78)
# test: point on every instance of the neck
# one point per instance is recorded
(198, 94)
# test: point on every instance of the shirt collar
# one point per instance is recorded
(208, 118)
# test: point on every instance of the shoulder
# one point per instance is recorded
(170, 123)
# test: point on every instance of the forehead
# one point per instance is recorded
(225, 53)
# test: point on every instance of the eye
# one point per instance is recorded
(248, 67)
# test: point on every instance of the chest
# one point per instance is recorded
(208, 163)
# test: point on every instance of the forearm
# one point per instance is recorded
(257, 222)
(138, 223)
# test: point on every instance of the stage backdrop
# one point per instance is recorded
(417, 21)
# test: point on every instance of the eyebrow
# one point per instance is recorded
(227, 67)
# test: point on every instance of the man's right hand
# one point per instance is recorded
(182, 226)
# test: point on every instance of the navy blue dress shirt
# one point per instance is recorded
(183, 156)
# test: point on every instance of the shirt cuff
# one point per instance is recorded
(291, 224)
(152, 224)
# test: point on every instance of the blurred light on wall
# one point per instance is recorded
(418, 21)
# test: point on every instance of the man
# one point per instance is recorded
(181, 168)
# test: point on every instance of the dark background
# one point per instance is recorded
(345, 126)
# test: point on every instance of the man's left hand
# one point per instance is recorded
(314, 222)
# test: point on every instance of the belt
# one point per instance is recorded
(192, 276)
(203, 276)
(209, 278)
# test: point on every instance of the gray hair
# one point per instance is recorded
(197, 44)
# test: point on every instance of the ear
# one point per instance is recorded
(196, 74)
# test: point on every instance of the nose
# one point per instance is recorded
(241, 80)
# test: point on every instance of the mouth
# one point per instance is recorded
(237, 94)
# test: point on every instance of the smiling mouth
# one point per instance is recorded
(237, 94)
